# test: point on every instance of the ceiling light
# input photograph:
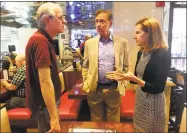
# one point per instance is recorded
(72, 16)
(71, 3)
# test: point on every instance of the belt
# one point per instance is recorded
(108, 84)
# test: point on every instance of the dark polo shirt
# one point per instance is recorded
(40, 52)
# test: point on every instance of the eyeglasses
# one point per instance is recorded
(63, 17)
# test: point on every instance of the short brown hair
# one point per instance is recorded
(156, 38)
(110, 16)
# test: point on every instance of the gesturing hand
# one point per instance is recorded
(116, 75)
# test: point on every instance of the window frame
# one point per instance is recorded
(173, 5)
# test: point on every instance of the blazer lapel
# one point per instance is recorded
(116, 51)
(119, 63)
(96, 48)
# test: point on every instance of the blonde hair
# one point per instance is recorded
(156, 37)
(46, 9)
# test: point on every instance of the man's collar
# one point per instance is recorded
(43, 32)
(22, 67)
(110, 37)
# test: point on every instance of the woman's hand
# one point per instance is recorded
(116, 75)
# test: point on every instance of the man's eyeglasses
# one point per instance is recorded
(63, 17)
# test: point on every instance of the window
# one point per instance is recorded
(177, 35)
(81, 19)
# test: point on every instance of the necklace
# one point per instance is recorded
(145, 55)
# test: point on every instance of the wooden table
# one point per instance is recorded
(76, 93)
(125, 127)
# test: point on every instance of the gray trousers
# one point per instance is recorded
(15, 102)
(44, 119)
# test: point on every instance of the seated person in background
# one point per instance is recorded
(17, 84)
(80, 50)
(82, 44)
(13, 57)
(5, 69)
(5, 64)
(7, 58)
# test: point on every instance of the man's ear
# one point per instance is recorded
(111, 23)
(46, 19)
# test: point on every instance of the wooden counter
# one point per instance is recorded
(70, 68)
(125, 127)
(70, 75)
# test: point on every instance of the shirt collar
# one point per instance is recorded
(22, 67)
(110, 37)
(43, 32)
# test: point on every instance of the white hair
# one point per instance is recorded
(46, 9)
(21, 57)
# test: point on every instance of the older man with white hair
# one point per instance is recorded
(17, 84)
(43, 84)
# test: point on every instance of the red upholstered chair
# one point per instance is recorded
(127, 104)
(21, 118)
(69, 108)
(19, 113)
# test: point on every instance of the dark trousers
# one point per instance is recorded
(44, 119)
